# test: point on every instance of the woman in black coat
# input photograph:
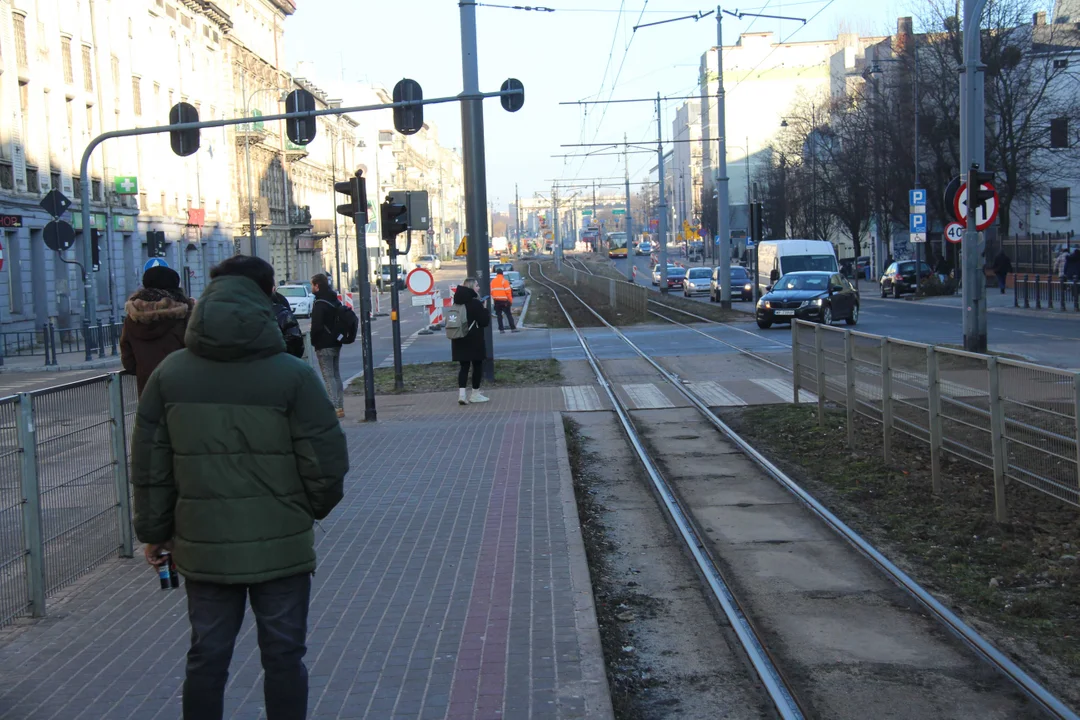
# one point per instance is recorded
(471, 350)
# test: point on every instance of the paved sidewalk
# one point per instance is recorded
(996, 303)
(452, 584)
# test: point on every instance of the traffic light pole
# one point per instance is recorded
(662, 205)
(722, 198)
(360, 220)
(395, 310)
(972, 156)
(472, 143)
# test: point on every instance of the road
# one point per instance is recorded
(1039, 337)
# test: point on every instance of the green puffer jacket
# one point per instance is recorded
(236, 449)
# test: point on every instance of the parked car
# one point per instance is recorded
(384, 277)
(517, 283)
(656, 273)
(742, 285)
(429, 262)
(504, 266)
(676, 276)
(899, 278)
(300, 298)
(777, 258)
(644, 248)
(697, 281)
(695, 251)
(821, 296)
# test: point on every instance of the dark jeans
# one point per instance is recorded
(502, 306)
(1001, 281)
(463, 373)
(216, 612)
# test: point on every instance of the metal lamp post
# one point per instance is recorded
(247, 156)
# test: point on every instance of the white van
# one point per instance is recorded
(777, 258)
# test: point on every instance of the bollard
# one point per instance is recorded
(45, 341)
(112, 335)
(1038, 298)
(1061, 292)
(1076, 295)
(100, 340)
(1027, 300)
(52, 344)
(33, 538)
(1016, 291)
(118, 436)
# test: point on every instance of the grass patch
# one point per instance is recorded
(1021, 577)
(439, 377)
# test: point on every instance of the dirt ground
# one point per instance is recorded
(1017, 582)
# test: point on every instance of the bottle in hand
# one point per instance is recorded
(163, 571)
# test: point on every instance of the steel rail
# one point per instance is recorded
(983, 648)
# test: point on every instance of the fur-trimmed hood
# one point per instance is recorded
(153, 312)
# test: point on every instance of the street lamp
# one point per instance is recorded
(334, 144)
(282, 94)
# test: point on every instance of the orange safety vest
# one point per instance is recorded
(500, 289)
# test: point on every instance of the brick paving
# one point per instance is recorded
(451, 585)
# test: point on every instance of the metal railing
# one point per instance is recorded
(1016, 419)
(65, 502)
(49, 341)
(631, 301)
(1040, 292)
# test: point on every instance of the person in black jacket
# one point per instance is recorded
(1002, 267)
(290, 328)
(471, 349)
(327, 346)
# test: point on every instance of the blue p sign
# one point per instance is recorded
(916, 198)
(918, 223)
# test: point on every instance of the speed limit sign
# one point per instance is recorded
(954, 233)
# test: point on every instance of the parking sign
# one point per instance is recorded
(917, 198)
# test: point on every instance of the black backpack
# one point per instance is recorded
(342, 323)
(290, 329)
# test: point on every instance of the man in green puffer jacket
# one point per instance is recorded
(237, 450)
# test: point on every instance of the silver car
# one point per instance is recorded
(301, 299)
(698, 281)
(517, 283)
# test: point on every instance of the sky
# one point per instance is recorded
(584, 50)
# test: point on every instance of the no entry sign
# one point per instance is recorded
(420, 281)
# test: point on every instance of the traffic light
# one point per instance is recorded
(977, 194)
(512, 103)
(356, 191)
(95, 249)
(184, 142)
(155, 243)
(300, 131)
(408, 120)
(395, 219)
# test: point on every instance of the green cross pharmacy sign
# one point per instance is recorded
(126, 185)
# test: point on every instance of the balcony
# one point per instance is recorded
(295, 153)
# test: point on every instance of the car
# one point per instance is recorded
(644, 248)
(429, 262)
(697, 281)
(656, 273)
(776, 258)
(695, 251)
(300, 298)
(742, 285)
(384, 277)
(899, 278)
(517, 283)
(676, 276)
(619, 252)
(809, 295)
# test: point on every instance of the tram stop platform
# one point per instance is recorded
(452, 583)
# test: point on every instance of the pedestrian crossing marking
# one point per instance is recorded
(646, 396)
(581, 398)
(715, 395)
(784, 390)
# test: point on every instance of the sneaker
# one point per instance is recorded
(341, 412)
(461, 398)
(476, 397)
(516, 330)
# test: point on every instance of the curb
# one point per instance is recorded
(29, 369)
(594, 685)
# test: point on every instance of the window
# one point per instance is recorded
(1059, 132)
(88, 71)
(1059, 203)
(7, 177)
(1061, 64)
(95, 189)
(170, 12)
(114, 65)
(386, 136)
(136, 95)
(33, 183)
(185, 21)
(54, 180)
(65, 52)
(20, 40)
(90, 120)
(15, 289)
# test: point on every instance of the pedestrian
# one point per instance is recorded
(1002, 267)
(1060, 262)
(503, 297)
(470, 350)
(235, 454)
(1072, 266)
(943, 269)
(325, 340)
(290, 328)
(155, 319)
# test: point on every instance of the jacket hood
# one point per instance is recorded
(464, 294)
(233, 320)
(153, 313)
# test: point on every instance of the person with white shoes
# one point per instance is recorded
(470, 350)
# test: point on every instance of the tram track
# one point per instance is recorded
(791, 699)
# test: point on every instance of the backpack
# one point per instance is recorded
(342, 323)
(457, 322)
(290, 330)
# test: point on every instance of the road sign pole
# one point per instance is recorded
(662, 206)
(972, 152)
(722, 197)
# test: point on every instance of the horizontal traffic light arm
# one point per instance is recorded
(157, 129)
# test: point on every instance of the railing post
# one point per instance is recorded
(1076, 295)
(1038, 296)
(120, 463)
(45, 337)
(1016, 291)
(795, 372)
(1076, 419)
(611, 293)
(31, 507)
(1061, 292)
(100, 340)
(1027, 300)
(850, 396)
(819, 350)
(113, 335)
(997, 439)
(933, 397)
(886, 399)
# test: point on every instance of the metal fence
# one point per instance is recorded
(49, 340)
(1043, 291)
(631, 301)
(1016, 419)
(65, 501)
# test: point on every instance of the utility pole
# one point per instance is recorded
(722, 199)
(337, 245)
(472, 144)
(556, 245)
(662, 197)
(973, 152)
(517, 217)
(629, 216)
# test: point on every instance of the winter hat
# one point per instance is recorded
(161, 278)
